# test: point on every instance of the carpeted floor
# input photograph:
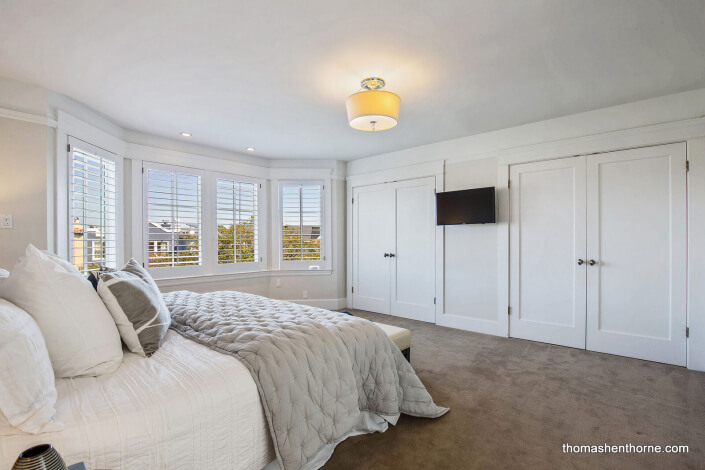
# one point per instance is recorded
(514, 403)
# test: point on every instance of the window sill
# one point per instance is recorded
(208, 278)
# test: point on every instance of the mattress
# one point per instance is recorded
(186, 407)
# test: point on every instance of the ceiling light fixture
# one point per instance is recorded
(373, 109)
(186, 134)
(250, 149)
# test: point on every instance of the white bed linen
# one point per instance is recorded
(186, 407)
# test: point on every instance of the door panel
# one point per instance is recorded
(547, 238)
(414, 266)
(373, 236)
(637, 236)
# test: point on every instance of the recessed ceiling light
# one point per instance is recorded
(186, 134)
(250, 149)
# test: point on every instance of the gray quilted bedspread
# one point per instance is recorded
(319, 373)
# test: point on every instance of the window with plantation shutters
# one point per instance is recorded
(301, 222)
(93, 199)
(237, 221)
(173, 218)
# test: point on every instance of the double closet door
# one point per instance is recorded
(394, 248)
(598, 252)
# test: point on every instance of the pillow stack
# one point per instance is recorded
(79, 332)
(53, 324)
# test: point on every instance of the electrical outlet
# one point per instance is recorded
(305, 294)
(5, 220)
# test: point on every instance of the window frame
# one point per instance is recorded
(76, 143)
(326, 227)
(261, 263)
(174, 271)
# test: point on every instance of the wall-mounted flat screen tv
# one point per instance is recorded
(469, 206)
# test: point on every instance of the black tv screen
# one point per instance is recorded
(469, 206)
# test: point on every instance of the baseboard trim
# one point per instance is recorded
(328, 304)
(477, 325)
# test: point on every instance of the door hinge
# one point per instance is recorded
(260, 186)
(143, 170)
(509, 183)
(687, 165)
(509, 310)
(68, 147)
(353, 201)
(353, 290)
(434, 301)
(687, 332)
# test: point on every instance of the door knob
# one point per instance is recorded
(580, 262)
(592, 262)
(386, 255)
(392, 255)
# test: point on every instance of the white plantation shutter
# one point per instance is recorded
(173, 210)
(302, 217)
(237, 221)
(93, 219)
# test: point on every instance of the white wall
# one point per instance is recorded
(471, 250)
(475, 258)
(23, 187)
(696, 254)
(24, 170)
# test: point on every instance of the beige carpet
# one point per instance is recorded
(514, 403)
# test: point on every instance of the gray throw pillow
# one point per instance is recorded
(133, 299)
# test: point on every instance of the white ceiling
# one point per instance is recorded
(275, 74)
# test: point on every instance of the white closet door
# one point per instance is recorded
(547, 240)
(373, 236)
(637, 238)
(413, 264)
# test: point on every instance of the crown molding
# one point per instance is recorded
(27, 117)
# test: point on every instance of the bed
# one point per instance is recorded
(240, 381)
(323, 376)
(186, 407)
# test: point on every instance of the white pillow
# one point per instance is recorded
(27, 391)
(79, 332)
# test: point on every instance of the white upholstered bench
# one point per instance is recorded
(400, 336)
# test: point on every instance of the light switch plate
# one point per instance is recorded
(5, 220)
